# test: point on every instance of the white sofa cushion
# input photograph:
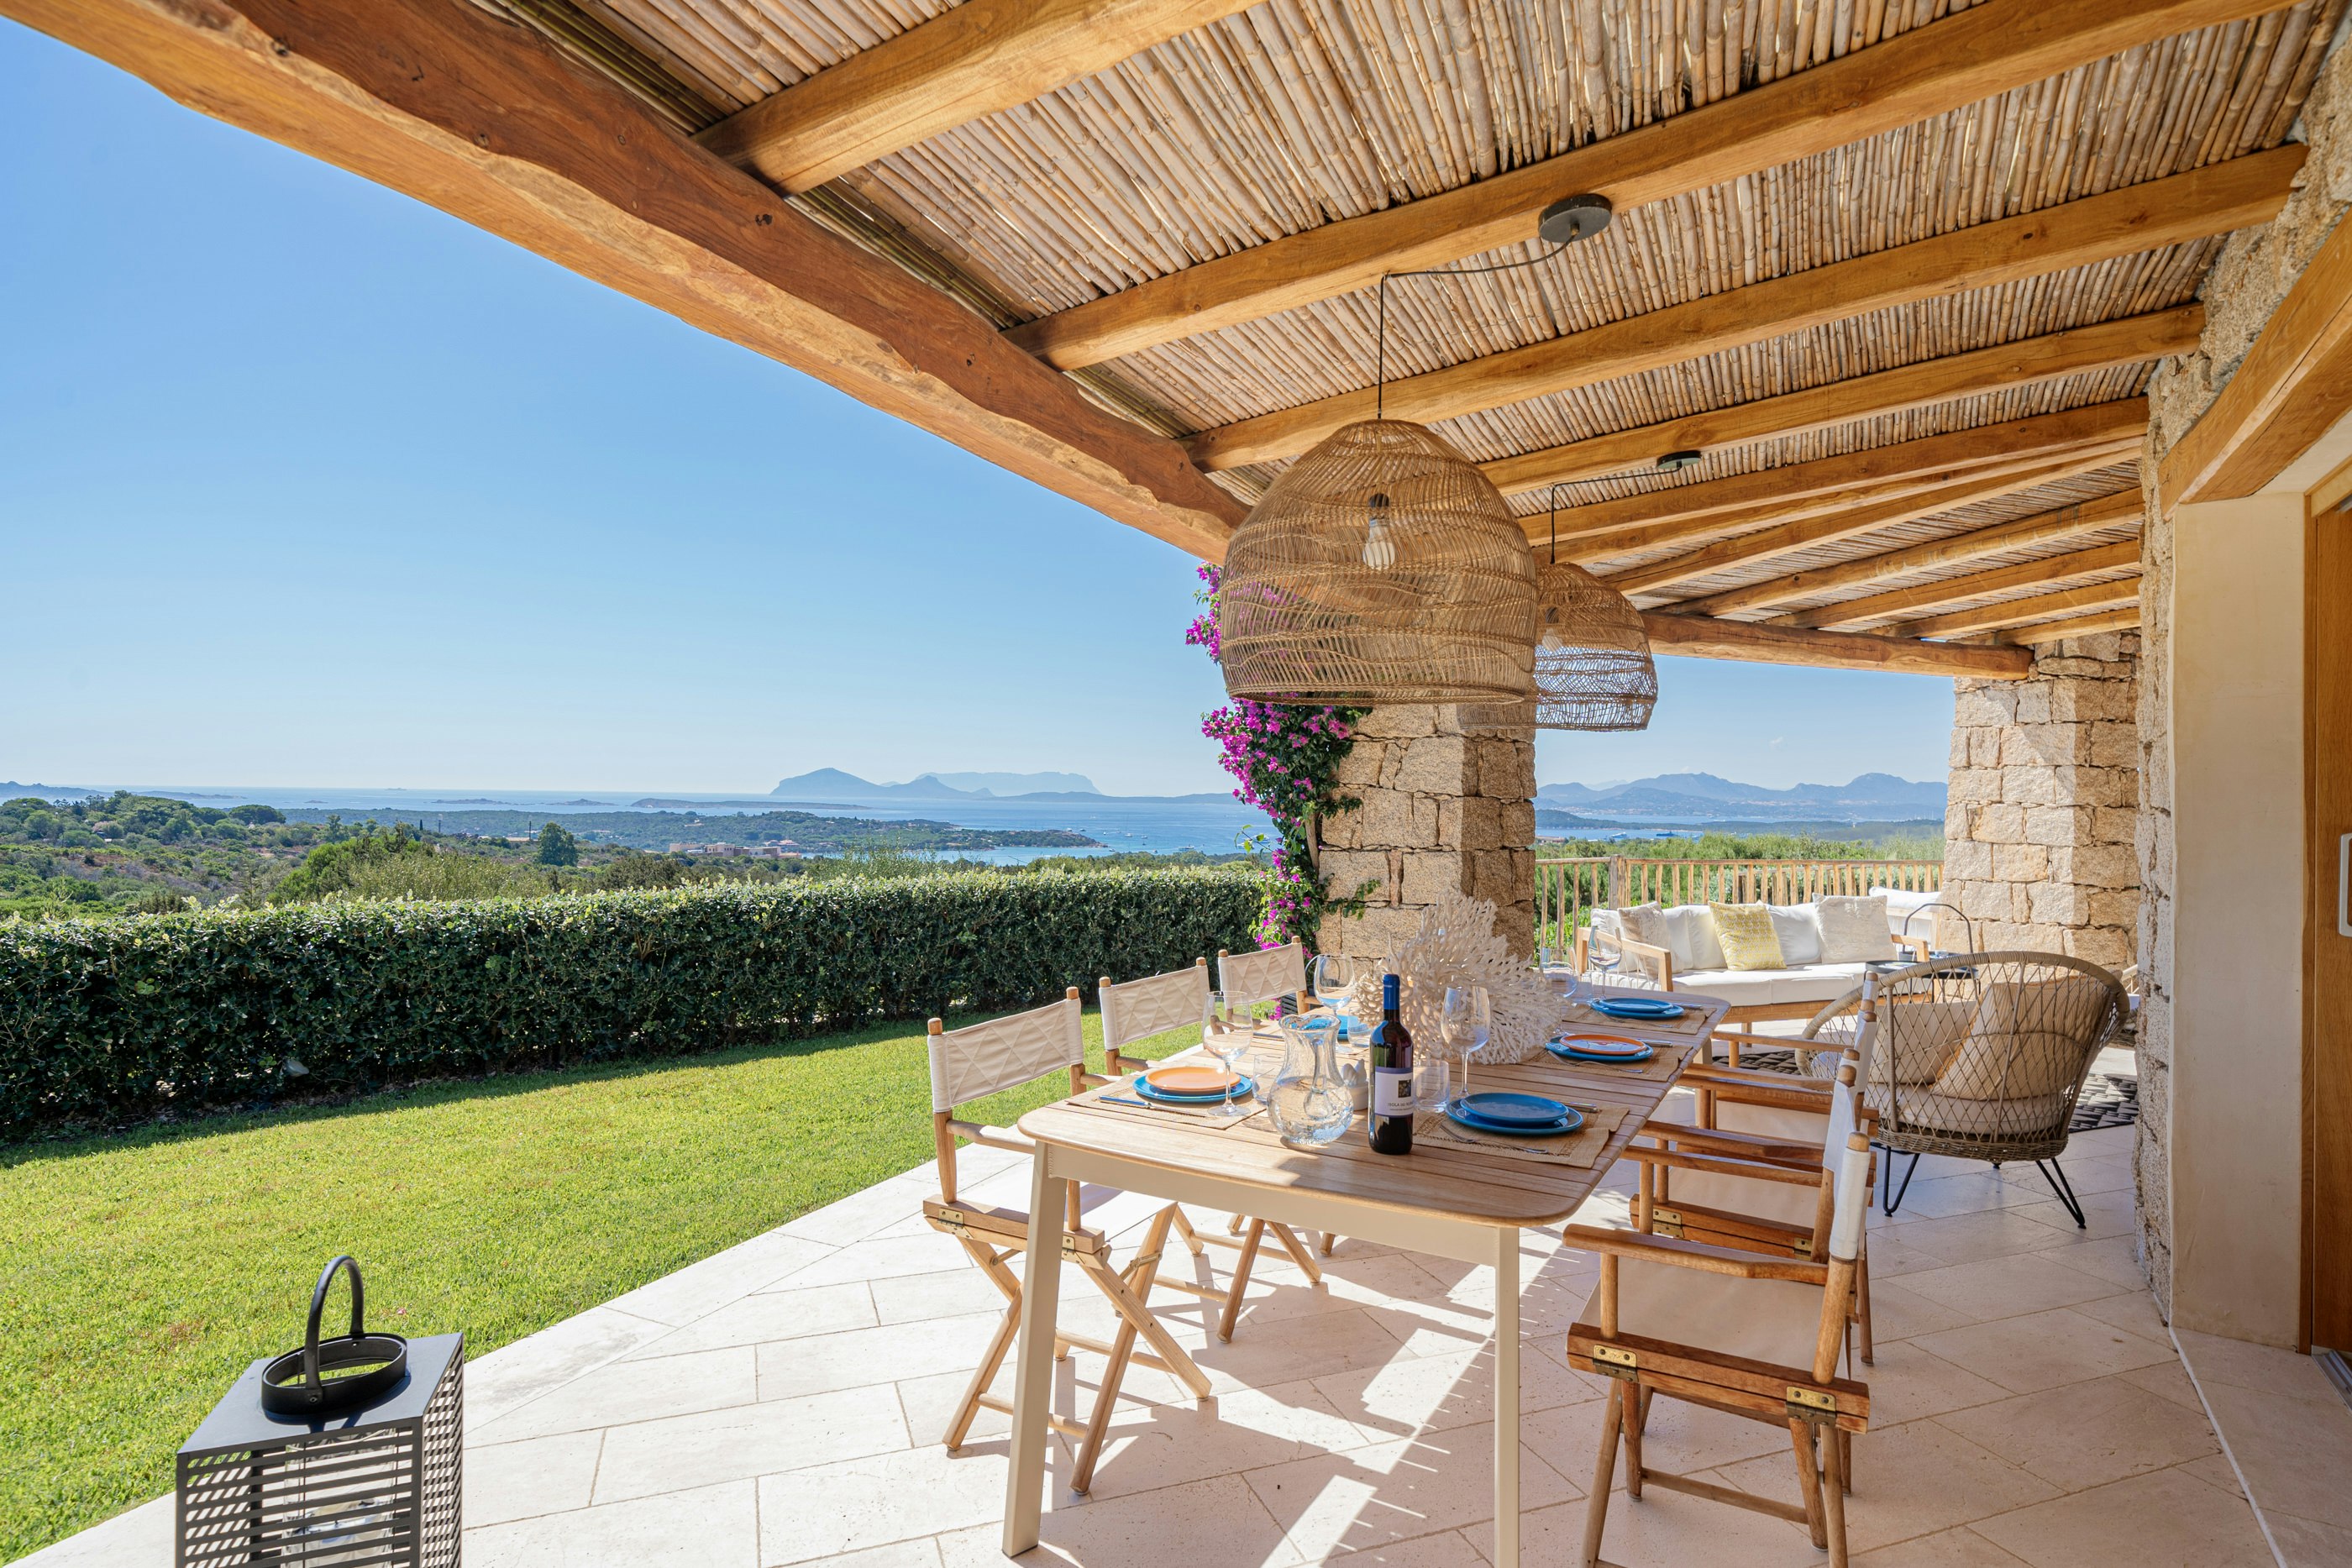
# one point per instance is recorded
(1759, 987)
(1902, 905)
(1854, 930)
(1691, 937)
(1798, 926)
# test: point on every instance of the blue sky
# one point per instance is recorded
(303, 483)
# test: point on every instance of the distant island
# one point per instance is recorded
(832, 787)
(1678, 799)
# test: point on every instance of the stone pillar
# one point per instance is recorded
(2038, 834)
(1442, 810)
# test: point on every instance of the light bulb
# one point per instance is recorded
(1551, 637)
(1380, 550)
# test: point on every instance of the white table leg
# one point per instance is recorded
(1032, 1387)
(1507, 1398)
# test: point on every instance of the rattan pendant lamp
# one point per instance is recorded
(1593, 669)
(1383, 567)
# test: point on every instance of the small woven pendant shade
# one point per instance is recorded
(1592, 657)
(1381, 567)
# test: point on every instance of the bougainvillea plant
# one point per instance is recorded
(1284, 758)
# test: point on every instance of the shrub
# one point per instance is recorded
(107, 1022)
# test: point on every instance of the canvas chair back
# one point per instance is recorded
(1268, 975)
(984, 1058)
(1137, 1009)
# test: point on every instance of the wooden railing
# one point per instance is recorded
(1567, 891)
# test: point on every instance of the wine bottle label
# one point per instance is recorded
(1391, 1092)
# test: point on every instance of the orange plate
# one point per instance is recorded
(1191, 1080)
(1587, 1041)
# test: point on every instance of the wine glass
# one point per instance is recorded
(1225, 1025)
(1335, 979)
(1468, 1020)
(1601, 951)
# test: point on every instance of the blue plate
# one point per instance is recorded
(1241, 1091)
(1568, 1121)
(1518, 1109)
(1636, 1008)
(1570, 1053)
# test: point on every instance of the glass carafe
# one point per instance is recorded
(1309, 1103)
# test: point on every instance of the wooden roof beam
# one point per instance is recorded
(2213, 200)
(1809, 500)
(1896, 603)
(967, 63)
(2134, 339)
(2293, 385)
(1747, 550)
(2042, 527)
(1985, 50)
(2124, 619)
(1699, 637)
(2015, 611)
(482, 117)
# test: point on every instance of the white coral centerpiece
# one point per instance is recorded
(1456, 946)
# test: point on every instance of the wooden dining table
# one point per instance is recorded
(1444, 1199)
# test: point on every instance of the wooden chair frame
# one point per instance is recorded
(991, 1236)
(1658, 1211)
(1252, 1232)
(1117, 1035)
(1820, 1409)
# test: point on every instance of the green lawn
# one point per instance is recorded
(140, 1274)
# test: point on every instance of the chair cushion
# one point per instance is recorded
(1919, 1037)
(1772, 1320)
(1691, 937)
(1854, 930)
(2029, 1038)
(1799, 927)
(1995, 1121)
(1746, 932)
(1771, 1122)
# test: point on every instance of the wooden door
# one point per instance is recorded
(2328, 972)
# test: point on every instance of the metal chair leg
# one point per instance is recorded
(2064, 1189)
(1894, 1199)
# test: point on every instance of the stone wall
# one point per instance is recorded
(1442, 810)
(2256, 269)
(2038, 834)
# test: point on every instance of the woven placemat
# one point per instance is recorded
(1693, 1023)
(1581, 1148)
(1664, 1063)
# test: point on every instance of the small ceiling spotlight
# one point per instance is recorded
(1675, 462)
(1573, 218)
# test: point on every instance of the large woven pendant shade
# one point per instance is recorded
(1381, 567)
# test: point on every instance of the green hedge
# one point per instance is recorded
(107, 1022)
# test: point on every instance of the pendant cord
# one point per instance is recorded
(1381, 331)
(1552, 496)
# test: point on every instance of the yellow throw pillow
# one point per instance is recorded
(1747, 934)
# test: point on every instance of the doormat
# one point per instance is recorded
(2108, 1099)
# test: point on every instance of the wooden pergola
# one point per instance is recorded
(1897, 269)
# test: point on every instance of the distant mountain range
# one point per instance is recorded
(1703, 797)
(831, 786)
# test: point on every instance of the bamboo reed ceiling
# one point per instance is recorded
(1297, 114)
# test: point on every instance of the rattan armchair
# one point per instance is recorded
(1977, 1056)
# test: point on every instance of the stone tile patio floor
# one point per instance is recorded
(782, 1403)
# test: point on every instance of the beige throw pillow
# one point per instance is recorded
(2029, 1037)
(1854, 930)
(1647, 924)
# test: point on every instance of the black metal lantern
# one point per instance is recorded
(345, 1452)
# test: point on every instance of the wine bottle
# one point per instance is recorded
(1390, 1122)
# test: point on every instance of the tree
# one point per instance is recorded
(255, 815)
(557, 846)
